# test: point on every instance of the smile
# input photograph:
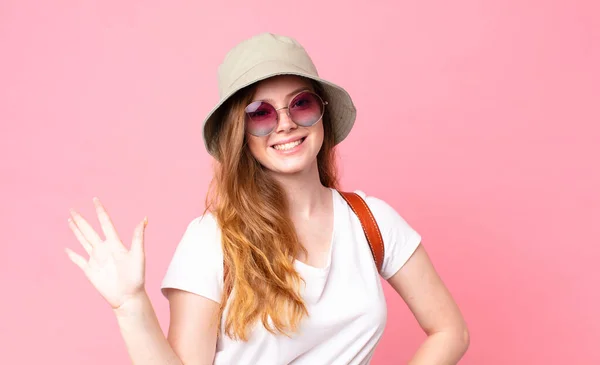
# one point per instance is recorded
(288, 146)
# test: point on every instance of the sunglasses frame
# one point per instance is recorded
(323, 102)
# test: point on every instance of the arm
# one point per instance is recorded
(144, 339)
(192, 332)
(193, 326)
(436, 312)
(118, 273)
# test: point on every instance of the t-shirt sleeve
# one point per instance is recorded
(400, 240)
(197, 264)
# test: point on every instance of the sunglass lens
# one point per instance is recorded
(306, 109)
(261, 118)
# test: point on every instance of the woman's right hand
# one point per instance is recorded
(116, 272)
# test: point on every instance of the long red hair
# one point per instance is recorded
(259, 240)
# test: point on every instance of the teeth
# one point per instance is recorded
(287, 146)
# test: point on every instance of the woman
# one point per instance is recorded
(277, 270)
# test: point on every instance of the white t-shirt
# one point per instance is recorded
(345, 300)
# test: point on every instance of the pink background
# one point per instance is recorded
(478, 121)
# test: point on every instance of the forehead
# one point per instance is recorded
(279, 88)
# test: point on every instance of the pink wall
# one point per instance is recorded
(478, 121)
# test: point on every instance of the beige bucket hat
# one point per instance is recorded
(266, 55)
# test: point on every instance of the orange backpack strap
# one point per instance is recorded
(369, 225)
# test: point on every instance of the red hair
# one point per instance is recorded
(259, 240)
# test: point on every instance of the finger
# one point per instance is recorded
(77, 259)
(105, 222)
(80, 237)
(86, 229)
(138, 237)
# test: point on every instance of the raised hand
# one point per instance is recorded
(116, 272)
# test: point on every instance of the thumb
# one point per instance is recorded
(137, 246)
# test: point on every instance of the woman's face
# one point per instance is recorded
(280, 151)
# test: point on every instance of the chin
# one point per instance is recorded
(296, 161)
(290, 164)
(290, 167)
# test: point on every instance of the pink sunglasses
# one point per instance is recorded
(305, 109)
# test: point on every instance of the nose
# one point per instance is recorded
(284, 122)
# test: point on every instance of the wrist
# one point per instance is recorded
(133, 304)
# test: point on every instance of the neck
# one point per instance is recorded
(304, 191)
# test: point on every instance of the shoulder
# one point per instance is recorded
(205, 224)
(400, 239)
(200, 243)
(385, 214)
(197, 263)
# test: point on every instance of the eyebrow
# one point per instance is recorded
(303, 88)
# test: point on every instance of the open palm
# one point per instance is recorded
(115, 271)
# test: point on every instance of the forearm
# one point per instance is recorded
(143, 336)
(441, 348)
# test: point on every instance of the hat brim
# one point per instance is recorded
(341, 109)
